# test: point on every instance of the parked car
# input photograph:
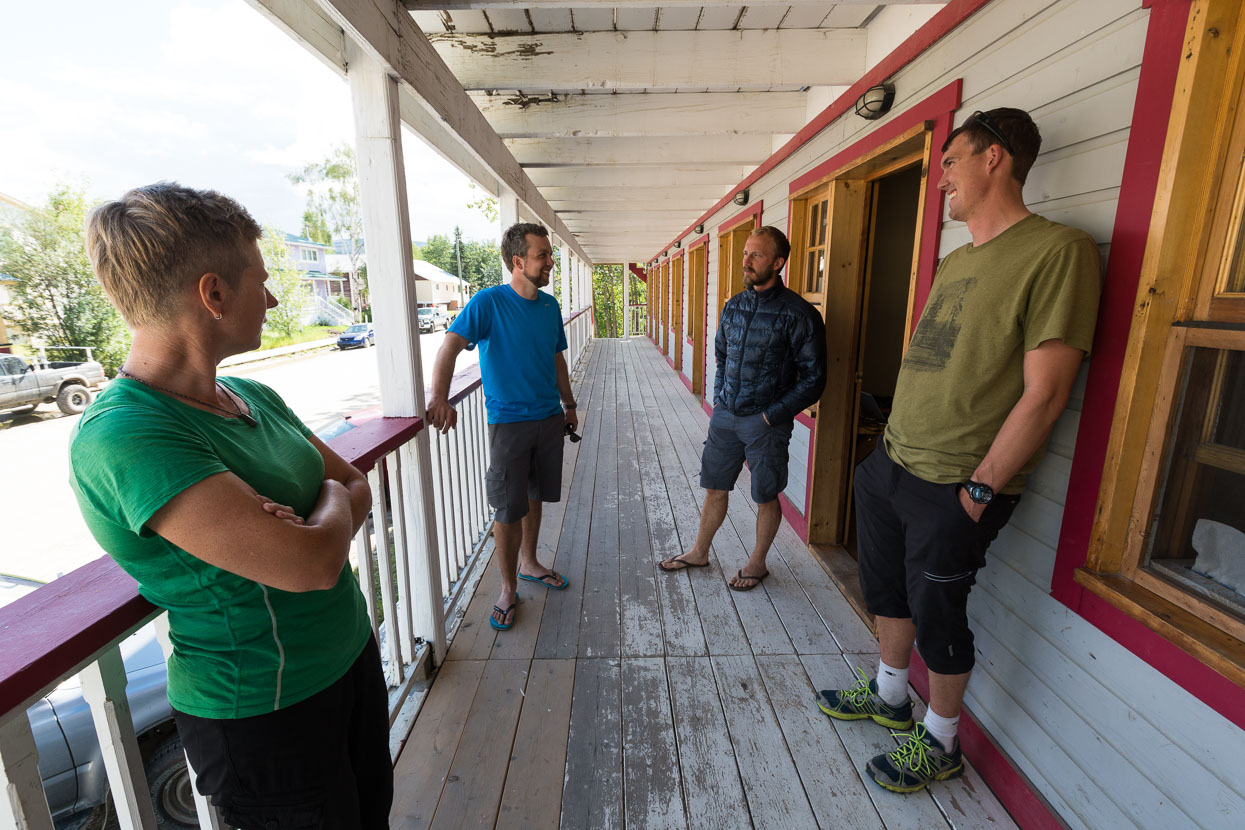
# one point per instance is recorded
(24, 385)
(432, 318)
(360, 334)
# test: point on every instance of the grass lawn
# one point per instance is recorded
(275, 341)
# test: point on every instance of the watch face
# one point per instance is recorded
(980, 493)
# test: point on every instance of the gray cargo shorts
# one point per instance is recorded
(731, 440)
(526, 464)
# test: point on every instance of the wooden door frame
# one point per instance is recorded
(676, 307)
(851, 204)
(698, 295)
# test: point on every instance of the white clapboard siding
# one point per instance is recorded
(1109, 741)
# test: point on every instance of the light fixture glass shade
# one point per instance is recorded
(876, 101)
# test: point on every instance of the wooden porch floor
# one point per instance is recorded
(637, 698)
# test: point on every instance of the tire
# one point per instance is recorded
(73, 398)
(169, 781)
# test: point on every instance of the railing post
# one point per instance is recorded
(209, 819)
(386, 224)
(103, 687)
(22, 804)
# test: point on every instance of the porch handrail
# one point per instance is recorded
(59, 627)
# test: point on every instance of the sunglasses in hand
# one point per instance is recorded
(570, 431)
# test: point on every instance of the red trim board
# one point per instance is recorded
(685, 380)
(934, 30)
(753, 210)
(1013, 788)
(937, 108)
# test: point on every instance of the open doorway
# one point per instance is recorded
(676, 312)
(862, 268)
(696, 312)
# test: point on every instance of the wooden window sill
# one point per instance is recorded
(1208, 644)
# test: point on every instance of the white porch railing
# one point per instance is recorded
(580, 328)
(637, 321)
(77, 623)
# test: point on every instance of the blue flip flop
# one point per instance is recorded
(504, 613)
(551, 575)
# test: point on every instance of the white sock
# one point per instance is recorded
(943, 729)
(892, 684)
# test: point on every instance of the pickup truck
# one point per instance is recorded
(25, 385)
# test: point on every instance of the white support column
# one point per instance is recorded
(626, 320)
(508, 211)
(22, 802)
(387, 228)
(103, 687)
(567, 276)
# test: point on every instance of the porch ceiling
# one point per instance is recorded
(633, 118)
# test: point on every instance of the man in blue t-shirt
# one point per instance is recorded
(527, 391)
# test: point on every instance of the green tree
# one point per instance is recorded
(607, 298)
(333, 198)
(485, 204)
(315, 228)
(286, 283)
(56, 300)
(481, 260)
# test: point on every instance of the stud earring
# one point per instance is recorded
(218, 315)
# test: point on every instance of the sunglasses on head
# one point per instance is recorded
(987, 122)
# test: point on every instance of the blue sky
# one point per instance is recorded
(205, 92)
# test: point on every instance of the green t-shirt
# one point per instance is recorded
(964, 369)
(239, 648)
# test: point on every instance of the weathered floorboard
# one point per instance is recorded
(639, 698)
(533, 793)
(654, 796)
(592, 792)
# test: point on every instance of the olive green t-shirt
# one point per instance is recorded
(964, 369)
(239, 648)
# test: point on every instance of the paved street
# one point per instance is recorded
(44, 535)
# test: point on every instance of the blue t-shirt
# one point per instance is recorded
(518, 340)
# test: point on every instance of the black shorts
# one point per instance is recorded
(525, 464)
(321, 764)
(919, 555)
(734, 438)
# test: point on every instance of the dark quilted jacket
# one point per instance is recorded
(771, 354)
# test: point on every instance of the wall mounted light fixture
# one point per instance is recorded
(876, 101)
(678, 243)
(698, 229)
(741, 198)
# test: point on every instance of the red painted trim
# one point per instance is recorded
(368, 443)
(54, 629)
(702, 240)
(934, 30)
(794, 517)
(1017, 793)
(707, 407)
(639, 272)
(677, 254)
(1148, 135)
(752, 211)
(804, 419)
(686, 382)
(568, 318)
(937, 108)
(670, 360)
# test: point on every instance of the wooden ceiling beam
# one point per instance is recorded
(669, 114)
(718, 149)
(757, 59)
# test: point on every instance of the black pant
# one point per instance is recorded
(321, 763)
(919, 555)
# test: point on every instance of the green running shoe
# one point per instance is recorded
(920, 759)
(862, 701)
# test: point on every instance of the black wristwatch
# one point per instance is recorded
(979, 493)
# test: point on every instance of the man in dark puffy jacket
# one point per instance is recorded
(771, 364)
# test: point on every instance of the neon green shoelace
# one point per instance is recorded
(911, 753)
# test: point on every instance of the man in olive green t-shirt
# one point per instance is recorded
(990, 367)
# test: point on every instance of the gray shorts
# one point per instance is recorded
(526, 464)
(731, 440)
